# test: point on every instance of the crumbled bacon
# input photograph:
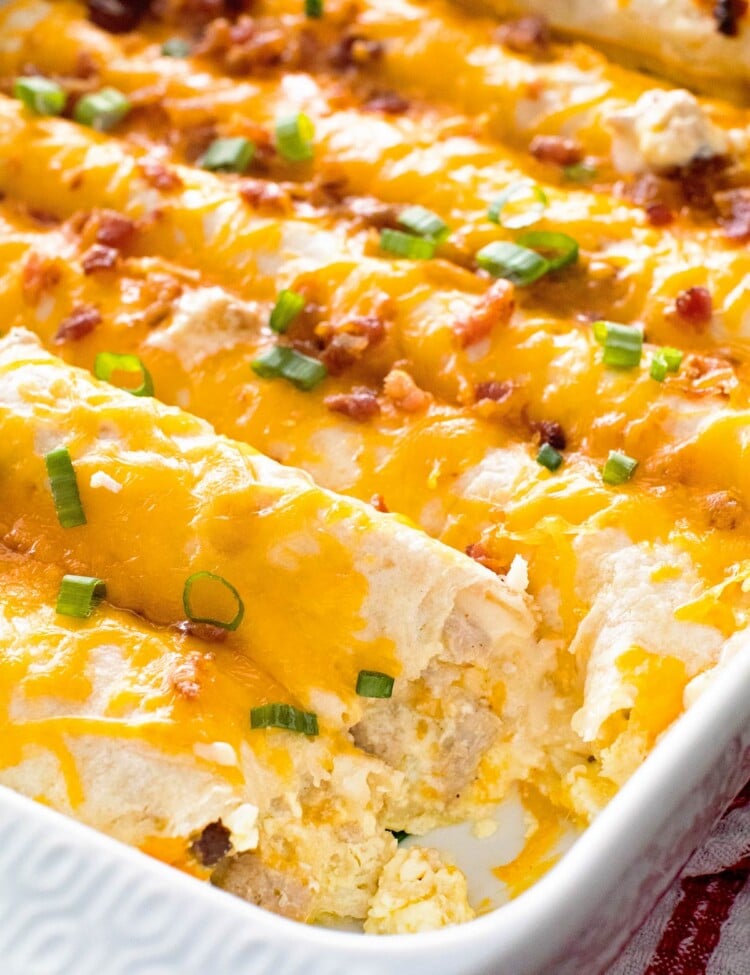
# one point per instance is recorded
(479, 553)
(404, 393)
(248, 44)
(79, 323)
(555, 149)
(372, 213)
(695, 307)
(265, 195)
(388, 102)
(378, 503)
(346, 343)
(115, 230)
(213, 844)
(727, 14)
(659, 215)
(99, 258)
(527, 35)
(202, 631)
(493, 390)
(734, 210)
(495, 307)
(707, 375)
(185, 678)
(700, 181)
(193, 12)
(40, 274)
(551, 432)
(360, 405)
(724, 510)
(158, 175)
(355, 51)
(116, 16)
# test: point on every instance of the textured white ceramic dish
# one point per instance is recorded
(73, 902)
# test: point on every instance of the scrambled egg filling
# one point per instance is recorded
(412, 466)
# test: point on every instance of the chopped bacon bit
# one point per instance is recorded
(389, 102)
(373, 213)
(360, 405)
(212, 845)
(355, 51)
(708, 375)
(659, 215)
(185, 679)
(202, 631)
(401, 389)
(347, 343)
(479, 553)
(248, 44)
(40, 274)
(158, 175)
(734, 208)
(695, 307)
(115, 230)
(527, 35)
(192, 12)
(79, 323)
(700, 180)
(724, 510)
(262, 194)
(727, 14)
(493, 390)
(555, 149)
(495, 307)
(86, 67)
(552, 433)
(99, 258)
(378, 503)
(116, 16)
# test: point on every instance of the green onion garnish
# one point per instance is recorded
(214, 587)
(62, 479)
(517, 264)
(228, 155)
(665, 360)
(619, 468)
(288, 305)
(40, 95)
(407, 245)
(558, 249)
(102, 110)
(314, 8)
(176, 47)
(623, 344)
(371, 683)
(519, 205)
(399, 835)
(106, 364)
(294, 137)
(80, 595)
(424, 223)
(549, 457)
(284, 716)
(580, 173)
(285, 363)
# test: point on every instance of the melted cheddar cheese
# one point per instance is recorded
(591, 612)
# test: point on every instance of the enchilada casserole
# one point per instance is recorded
(373, 432)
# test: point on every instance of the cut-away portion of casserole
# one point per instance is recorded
(379, 635)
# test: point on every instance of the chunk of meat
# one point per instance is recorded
(550, 431)
(526, 35)
(695, 307)
(493, 390)
(403, 392)
(159, 175)
(388, 102)
(734, 213)
(39, 274)
(360, 405)
(495, 307)
(727, 14)
(556, 149)
(212, 845)
(99, 258)
(116, 16)
(115, 230)
(79, 323)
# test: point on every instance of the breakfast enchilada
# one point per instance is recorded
(347, 297)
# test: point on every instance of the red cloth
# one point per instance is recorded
(702, 924)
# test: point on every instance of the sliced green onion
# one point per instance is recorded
(294, 137)
(40, 95)
(228, 155)
(407, 245)
(288, 305)
(102, 110)
(314, 8)
(371, 683)
(520, 205)
(208, 581)
(619, 468)
(176, 47)
(558, 249)
(623, 344)
(285, 363)
(64, 485)
(399, 835)
(665, 360)
(517, 264)
(106, 364)
(424, 223)
(80, 595)
(549, 457)
(580, 173)
(284, 716)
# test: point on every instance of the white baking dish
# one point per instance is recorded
(73, 902)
